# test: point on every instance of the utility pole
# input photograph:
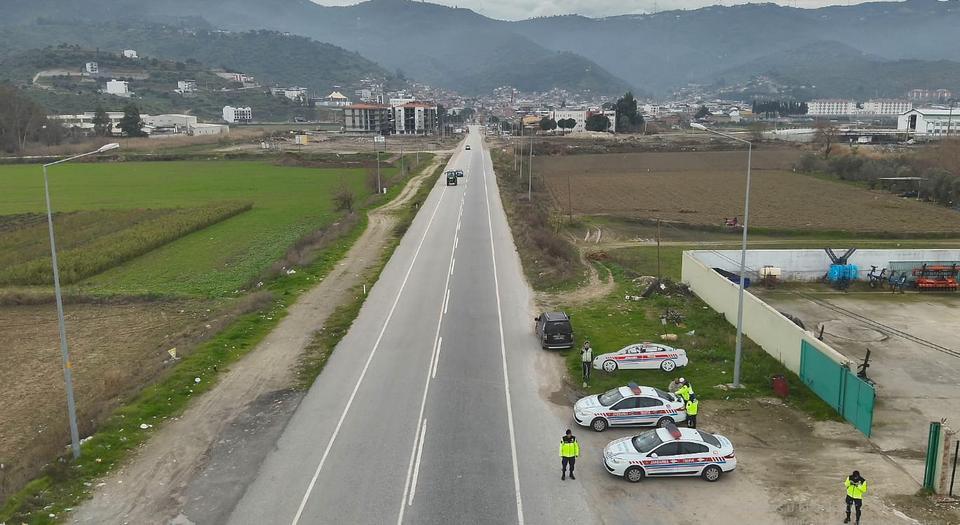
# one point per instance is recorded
(658, 249)
(569, 201)
(379, 190)
(401, 159)
(530, 171)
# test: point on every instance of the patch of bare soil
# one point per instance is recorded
(154, 481)
(805, 462)
(115, 348)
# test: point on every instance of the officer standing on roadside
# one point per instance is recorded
(856, 488)
(569, 450)
(693, 406)
(586, 361)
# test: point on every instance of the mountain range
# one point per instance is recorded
(460, 49)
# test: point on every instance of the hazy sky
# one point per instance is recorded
(519, 9)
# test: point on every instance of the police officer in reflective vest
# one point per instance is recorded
(693, 406)
(856, 488)
(685, 390)
(569, 450)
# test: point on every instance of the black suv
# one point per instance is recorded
(554, 330)
(451, 178)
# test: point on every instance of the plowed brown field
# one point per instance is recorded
(702, 188)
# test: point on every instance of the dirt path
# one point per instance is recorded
(149, 489)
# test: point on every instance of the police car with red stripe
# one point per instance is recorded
(642, 356)
(630, 405)
(670, 451)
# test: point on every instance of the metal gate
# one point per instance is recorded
(849, 395)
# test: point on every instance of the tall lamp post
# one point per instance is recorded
(738, 356)
(65, 354)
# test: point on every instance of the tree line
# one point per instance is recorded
(24, 122)
(779, 108)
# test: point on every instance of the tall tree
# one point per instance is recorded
(597, 122)
(131, 125)
(825, 136)
(101, 123)
(548, 124)
(628, 117)
(702, 112)
(21, 119)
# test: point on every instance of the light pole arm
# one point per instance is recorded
(727, 135)
(68, 159)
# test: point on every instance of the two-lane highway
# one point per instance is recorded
(415, 419)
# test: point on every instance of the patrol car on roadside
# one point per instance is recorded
(642, 356)
(670, 451)
(630, 405)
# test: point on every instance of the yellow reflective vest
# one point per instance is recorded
(684, 392)
(692, 407)
(855, 490)
(569, 449)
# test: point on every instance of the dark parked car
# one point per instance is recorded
(554, 330)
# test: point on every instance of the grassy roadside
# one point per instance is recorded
(709, 340)
(550, 262)
(320, 348)
(65, 483)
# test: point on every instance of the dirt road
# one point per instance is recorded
(253, 395)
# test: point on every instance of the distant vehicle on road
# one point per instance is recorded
(670, 451)
(451, 178)
(554, 330)
(459, 173)
(629, 405)
(467, 147)
(643, 356)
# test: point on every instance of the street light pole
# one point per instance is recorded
(64, 351)
(738, 356)
(530, 171)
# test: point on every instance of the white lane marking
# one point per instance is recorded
(431, 373)
(363, 372)
(446, 301)
(454, 263)
(436, 358)
(456, 241)
(416, 468)
(503, 353)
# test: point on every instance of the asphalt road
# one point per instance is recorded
(430, 410)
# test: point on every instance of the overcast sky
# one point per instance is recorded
(520, 9)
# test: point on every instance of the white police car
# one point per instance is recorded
(629, 405)
(670, 451)
(642, 356)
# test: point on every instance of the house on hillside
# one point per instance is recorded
(235, 115)
(130, 53)
(119, 88)
(91, 68)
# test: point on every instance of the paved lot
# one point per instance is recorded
(916, 380)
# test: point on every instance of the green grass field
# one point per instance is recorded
(288, 202)
(612, 323)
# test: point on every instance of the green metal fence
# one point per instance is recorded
(849, 395)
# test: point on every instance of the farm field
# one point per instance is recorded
(702, 188)
(287, 203)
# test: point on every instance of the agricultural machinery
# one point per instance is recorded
(841, 273)
(936, 277)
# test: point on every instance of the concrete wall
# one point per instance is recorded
(810, 265)
(763, 324)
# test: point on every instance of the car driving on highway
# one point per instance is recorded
(467, 147)
(630, 405)
(670, 451)
(451, 178)
(642, 356)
